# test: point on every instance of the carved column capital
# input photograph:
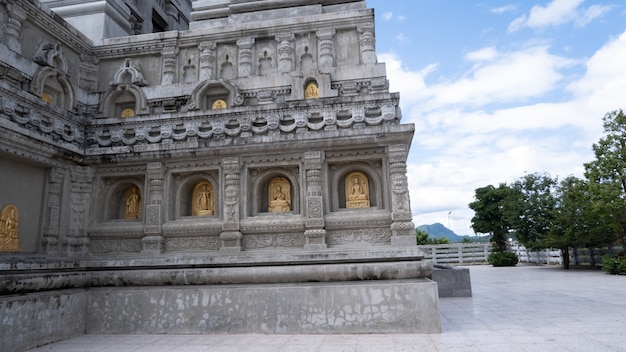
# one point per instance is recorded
(245, 56)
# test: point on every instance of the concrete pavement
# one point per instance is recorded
(523, 308)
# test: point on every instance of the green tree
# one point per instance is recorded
(607, 180)
(492, 213)
(533, 209)
(422, 237)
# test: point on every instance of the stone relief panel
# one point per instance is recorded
(366, 236)
(273, 241)
(9, 229)
(227, 61)
(266, 60)
(115, 246)
(192, 243)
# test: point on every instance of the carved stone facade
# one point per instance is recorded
(265, 128)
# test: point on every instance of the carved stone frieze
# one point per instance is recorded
(273, 240)
(358, 236)
(115, 246)
(192, 243)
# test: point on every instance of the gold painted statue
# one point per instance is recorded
(9, 229)
(279, 195)
(311, 91)
(128, 112)
(219, 104)
(133, 203)
(357, 190)
(203, 197)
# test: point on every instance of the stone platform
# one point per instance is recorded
(333, 291)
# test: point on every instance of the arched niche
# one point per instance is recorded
(123, 101)
(190, 193)
(213, 95)
(124, 201)
(264, 192)
(53, 87)
(345, 193)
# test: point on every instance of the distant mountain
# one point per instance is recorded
(437, 230)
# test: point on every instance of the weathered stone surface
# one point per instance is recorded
(399, 306)
(40, 318)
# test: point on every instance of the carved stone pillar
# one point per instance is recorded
(231, 236)
(81, 178)
(402, 226)
(285, 52)
(326, 48)
(13, 26)
(245, 56)
(367, 44)
(207, 60)
(50, 239)
(169, 64)
(315, 233)
(153, 237)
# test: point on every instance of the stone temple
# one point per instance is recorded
(209, 166)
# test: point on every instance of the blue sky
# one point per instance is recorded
(498, 89)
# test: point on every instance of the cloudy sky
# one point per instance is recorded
(499, 89)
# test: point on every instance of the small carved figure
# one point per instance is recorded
(128, 112)
(133, 203)
(311, 91)
(218, 104)
(9, 229)
(280, 196)
(203, 199)
(357, 190)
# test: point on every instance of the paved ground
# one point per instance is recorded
(526, 308)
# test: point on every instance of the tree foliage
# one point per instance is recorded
(492, 213)
(422, 237)
(543, 212)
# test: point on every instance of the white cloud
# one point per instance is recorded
(462, 142)
(558, 12)
(387, 16)
(503, 9)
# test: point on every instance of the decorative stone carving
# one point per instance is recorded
(192, 243)
(132, 203)
(207, 60)
(51, 54)
(326, 57)
(362, 236)
(231, 237)
(279, 195)
(13, 26)
(129, 73)
(50, 238)
(245, 56)
(367, 43)
(9, 229)
(106, 246)
(285, 52)
(81, 180)
(357, 190)
(88, 72)
(169, 64)
(273, 240)
(153, 238)
(189, 71)
(203, 199)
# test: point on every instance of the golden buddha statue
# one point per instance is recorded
(203, 197)
(357, 190)
(133, 203)
(9, 229)
(279, 195)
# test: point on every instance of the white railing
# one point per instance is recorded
(457, 253)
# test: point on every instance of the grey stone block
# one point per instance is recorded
(452, 281)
